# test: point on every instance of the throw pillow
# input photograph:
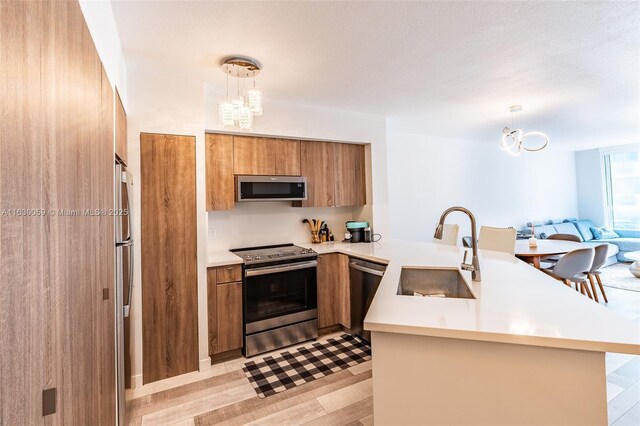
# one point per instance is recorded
(603, 233)
(543, 235)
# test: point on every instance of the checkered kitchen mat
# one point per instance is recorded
(305, 364)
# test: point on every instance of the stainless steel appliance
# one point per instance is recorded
(365, 278)
(279, 292)
(124, 282)
(271, 188)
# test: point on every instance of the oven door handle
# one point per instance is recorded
(277, 269)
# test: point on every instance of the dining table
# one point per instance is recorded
(545, 248)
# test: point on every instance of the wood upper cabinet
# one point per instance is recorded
(287, 157)
(219, 171)
(265, 156)
(335, 174)
(224, 302)
(350, 186)
(121, 130)
(333, 290)
(318, 165)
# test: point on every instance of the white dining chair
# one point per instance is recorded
(497, 239)
(449, 235)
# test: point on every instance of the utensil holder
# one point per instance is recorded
(315, 237)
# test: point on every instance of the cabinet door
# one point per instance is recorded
(286, 157)
(219, 171)
(121, 130)
(317, 164)
(253, 156)
(333, 280)
(229, 316)
(169, 270)
(212, 310)
(350, 181)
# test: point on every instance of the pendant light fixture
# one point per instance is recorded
(514, 138)
(238, 112)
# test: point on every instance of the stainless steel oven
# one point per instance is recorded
(280, 306)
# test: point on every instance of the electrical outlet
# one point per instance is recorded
(212, 234)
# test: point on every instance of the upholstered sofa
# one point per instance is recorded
(628, 241)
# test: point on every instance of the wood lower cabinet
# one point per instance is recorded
(219, 172)
(333, 290)
(265, 156)
(56, 154)
(224, 301)
(121, 130)
(169, 274)
(350, 180)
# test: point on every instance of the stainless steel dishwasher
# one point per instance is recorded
(365, 278)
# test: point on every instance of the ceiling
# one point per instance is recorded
(441, 68)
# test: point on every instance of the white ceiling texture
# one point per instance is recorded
(441, 68)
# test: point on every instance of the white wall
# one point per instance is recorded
(102, 26)
(429, 174)
(590, 188)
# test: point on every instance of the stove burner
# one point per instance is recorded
(283, 253)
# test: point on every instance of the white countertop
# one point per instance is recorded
(515, 302)
(222, 258)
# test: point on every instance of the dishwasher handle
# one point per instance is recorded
(361, 268)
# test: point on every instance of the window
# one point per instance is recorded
(622, 188)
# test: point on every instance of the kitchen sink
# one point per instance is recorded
(433, 282)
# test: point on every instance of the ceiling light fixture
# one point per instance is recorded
(238, 112)
(513, 140)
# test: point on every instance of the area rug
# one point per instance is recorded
(305, 364)
(618, 276)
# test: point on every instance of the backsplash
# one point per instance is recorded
(263, 223)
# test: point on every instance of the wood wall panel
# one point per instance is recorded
(121, 130)
(57, 154)
(219, 172)
(169, 280)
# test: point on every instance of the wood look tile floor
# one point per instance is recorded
(223, 395)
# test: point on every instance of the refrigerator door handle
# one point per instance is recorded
(127, 179)
(128, 305)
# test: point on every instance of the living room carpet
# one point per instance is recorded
(305, 364)
(618, 276)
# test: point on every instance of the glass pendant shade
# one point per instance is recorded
(254, 101)
(245, 117)
(238, 112)
(226, 114)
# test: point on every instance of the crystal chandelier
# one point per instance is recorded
(513, 140)
(238, 112)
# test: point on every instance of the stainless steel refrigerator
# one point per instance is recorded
(124, 283)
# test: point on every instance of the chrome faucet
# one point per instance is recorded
(474, 266)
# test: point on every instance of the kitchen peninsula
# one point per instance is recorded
(512, 355)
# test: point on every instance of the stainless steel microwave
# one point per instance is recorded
(271, 188)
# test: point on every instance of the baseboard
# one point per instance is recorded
(205, 364)
(136, 381)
